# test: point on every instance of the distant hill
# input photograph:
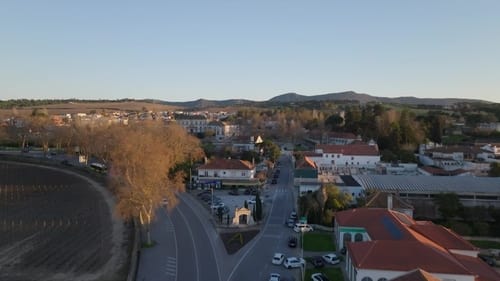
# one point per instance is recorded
(341, 96)
(364, 98)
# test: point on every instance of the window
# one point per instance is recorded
(206, 173)
(382, 279)
(358, 237)
(243, 174)
(352, 158)
(338, 155)
(367, 279)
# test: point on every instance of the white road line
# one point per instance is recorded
(171, 225)
(171, 267)
(192, 241)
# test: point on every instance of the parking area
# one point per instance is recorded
(227, 200)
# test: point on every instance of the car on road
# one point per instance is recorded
(292, 242)
(319, 277)
(317, 262)
(217, 206)
(278, 258)
(302, 227)
(293, 262)
(252, 201)
(275, 277)
(164, 202)
(331, 258)
(290, 222)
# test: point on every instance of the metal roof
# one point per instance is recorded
(430, 184)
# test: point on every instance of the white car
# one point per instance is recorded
(302, 227)
(217, 206)
(319, 277)
(252, 201)
(293, 262)
(278, 258)
(275, 277)
(331, 259)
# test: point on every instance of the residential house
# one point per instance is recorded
(383, 244)
(227, 172)
(193, 123)
(223, 130)
(245, 143)
(334, 157)
(306, 176)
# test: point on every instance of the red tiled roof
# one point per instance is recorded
(350, 149)
(477, 267)
(227, 164)
(305, 163)
(442, 236)
(416, 275)
(442, 172)
(381, 224)
(403, 256)
(311, 154)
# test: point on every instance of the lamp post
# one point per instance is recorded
(303, 267)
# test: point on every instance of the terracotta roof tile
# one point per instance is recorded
(416, 275)
(477, 267)
(443, 236)
(227, 164)
(403, 256)
(381, 224)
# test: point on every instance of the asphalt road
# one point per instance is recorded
(256, 262)
(184, 250)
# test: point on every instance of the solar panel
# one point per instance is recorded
(391, 227)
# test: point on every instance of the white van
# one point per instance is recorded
(302, 227)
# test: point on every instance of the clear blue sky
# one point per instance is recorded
(185, 50)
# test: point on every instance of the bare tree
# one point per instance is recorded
(141, 159)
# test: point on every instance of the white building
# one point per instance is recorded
(228, 172)
(383, 244)
(332, 157)
(193, 123)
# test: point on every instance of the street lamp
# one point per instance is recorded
(303, 267)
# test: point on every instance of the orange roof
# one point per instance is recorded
(477, 267)
(416, 275)
(350, 149)
(380, 224)
(442, 236)
(305, 163)
(227, 164)
(403, 256)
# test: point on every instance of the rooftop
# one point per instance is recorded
(227, 164)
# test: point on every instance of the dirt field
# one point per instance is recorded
(86, 107)
(56, 226)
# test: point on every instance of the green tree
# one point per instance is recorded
(494, 169)
(449, 205)
(258, 208)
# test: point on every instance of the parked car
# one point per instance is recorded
(275, 277)
(319, 277)
(317, 262)
(252, 201)
(217, 206)
(293, 215)
(293, 262)
(278, 258)
(290, 222)
(302, 227)
(331, 258)
(292, 242)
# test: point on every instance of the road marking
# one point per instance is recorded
(171, 267)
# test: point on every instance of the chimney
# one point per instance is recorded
(389, 201)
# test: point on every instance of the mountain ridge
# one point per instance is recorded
(339, 96)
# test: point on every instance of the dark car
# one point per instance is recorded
(234, 191)
(317, 262)
(292, 242)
